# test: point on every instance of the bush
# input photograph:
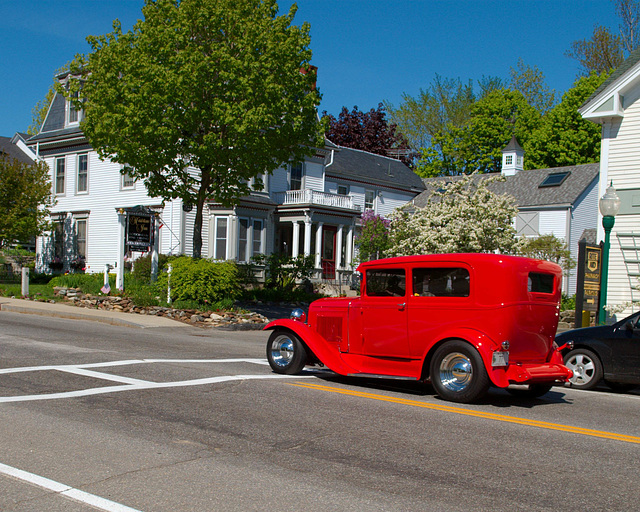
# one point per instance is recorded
(88, 283)
(200, 280)
(142, 267)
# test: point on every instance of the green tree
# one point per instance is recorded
(549, 248)
(461, 216)
(478, 144)
(531, 83)
(199, 97)
(25, 199)
(564, 137)
(373, 242)
(601, 53)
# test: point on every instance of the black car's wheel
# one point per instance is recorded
(586, 368)
(531, 391)
(286, 353)
(458, 373)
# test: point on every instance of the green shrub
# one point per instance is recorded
(88, 283)
(142, 267)
(200, 280)
(568, 303)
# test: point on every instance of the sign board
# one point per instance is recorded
(588, 285)
(139, 230)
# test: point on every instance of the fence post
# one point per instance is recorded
(25, 281)
(169, 284)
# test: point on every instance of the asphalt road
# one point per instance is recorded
(101, 417)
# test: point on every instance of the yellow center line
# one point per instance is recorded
(477, 414)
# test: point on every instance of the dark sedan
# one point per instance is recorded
(609, 353)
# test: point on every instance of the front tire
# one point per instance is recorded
(286, 353)
(458, 373)
(586, 368)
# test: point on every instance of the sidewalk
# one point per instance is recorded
(61, 310)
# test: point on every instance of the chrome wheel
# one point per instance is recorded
(586, 368)
(456, 372)
(286, 353)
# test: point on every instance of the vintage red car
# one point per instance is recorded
(463, 321)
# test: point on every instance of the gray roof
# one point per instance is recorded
(524, 186)
(9, 150)
(358, 165)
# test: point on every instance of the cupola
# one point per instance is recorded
(512, 158)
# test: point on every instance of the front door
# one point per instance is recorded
(329, 252)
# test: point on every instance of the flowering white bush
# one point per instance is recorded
(461, 216)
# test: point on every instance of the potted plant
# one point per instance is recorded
(78, 265)
(56, 264)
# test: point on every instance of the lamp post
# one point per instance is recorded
(609, 206)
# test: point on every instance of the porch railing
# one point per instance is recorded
(308, 196)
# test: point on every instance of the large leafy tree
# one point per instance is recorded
(531, 83)
(214, 85)
(601, 53)
(368, 131)
(25, 199)
(564, 137)
(461, 216)
(477, 145)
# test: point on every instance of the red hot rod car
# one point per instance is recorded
(464, 321)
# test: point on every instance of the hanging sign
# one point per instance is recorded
(592, 270)
(139, 230)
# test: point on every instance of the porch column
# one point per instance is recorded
(338, 254)
(318, 245)
(295, 250)
(307, 236)
(349, 251)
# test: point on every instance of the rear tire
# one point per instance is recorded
(458, 373)
(531, 391)
(586, 368)
(286, 353)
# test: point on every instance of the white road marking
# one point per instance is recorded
(129, 384)
(65, 490)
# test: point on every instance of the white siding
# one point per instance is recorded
(314, 176)
(388, 201)
(553, 222)
(584, 216)
(278, 181)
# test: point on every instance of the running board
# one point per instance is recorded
(378, 376)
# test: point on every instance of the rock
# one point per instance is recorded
(196, 318)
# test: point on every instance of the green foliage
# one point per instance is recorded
(530, 82)
(547, 247)
(463, 216)
(140, 291)
(200, 280)
(213, 85)
(88, 283)
(602, 53)
(568, 303)
(282, 272)
(564, 137)
(374, 241)
(142, 267)
(25, 199)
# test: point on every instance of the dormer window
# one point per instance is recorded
(73, 115)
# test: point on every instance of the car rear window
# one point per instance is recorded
(540, 283)
(441, 282)
(386, 283)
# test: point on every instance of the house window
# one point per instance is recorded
(257, 183)
(128, 181)
(220, 249)
(243, 241)
(73, 115)
(554, 179)
(369, 197)
(81, 238)
(83, 173)
(296, 174)
(58, 240)
(508, 159)
(257, 237)
(60, 171)
(343, 190)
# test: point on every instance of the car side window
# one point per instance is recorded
(386, 283)
(440, 282)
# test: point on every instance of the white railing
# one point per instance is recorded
(308, 196)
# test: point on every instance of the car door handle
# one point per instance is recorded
(402, 305)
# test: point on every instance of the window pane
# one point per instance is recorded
(58, 240)
(221, 239)
(296, 177)
(368, 199)
(82, 173)
(540, 283)
(81, 239)
(257, 237)
(60, 176)
(243, 229)
(441, 282)
(386, 283)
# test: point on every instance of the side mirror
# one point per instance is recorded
(630, 325)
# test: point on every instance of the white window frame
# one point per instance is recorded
(248, 232)
(86, 190)
(76, 220)
(56, 165)
(344, 187)
(508, 160)
(302, 175)
(123, 185)
(262, 231)
(216, 238)
(69, 111)
(373, 199)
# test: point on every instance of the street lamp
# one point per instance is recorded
(609, 206)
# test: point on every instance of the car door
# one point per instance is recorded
(625, 347)
(384, 314)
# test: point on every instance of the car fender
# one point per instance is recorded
(485, 347)
(321, 348)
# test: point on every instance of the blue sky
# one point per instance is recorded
(366, 51)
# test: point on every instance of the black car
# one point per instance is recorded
(609, 352)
